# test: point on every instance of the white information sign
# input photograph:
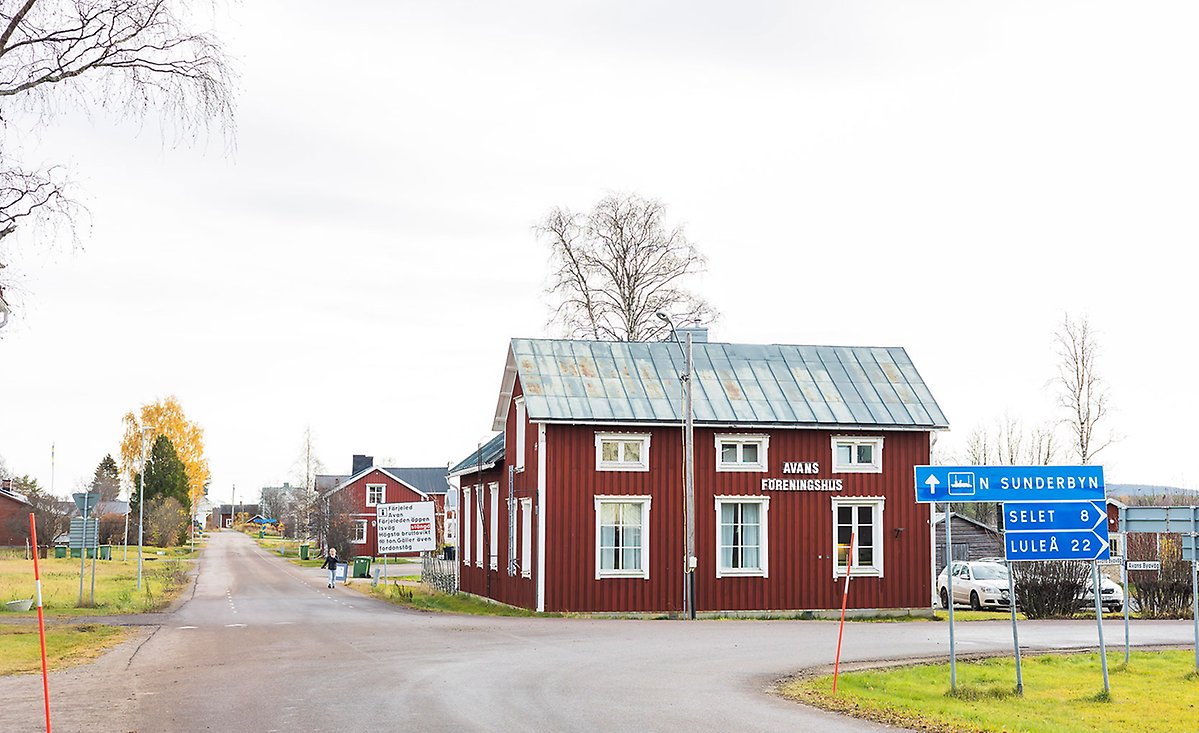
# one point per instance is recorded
(406, 527)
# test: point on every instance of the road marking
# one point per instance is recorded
(235, 626)
(189, 627)
(284, 623)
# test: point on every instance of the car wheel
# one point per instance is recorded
(1117, 607)
(974, 604)
(944, 598)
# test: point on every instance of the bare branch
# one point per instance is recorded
(616, 267)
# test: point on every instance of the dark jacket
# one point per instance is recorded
(330, 562)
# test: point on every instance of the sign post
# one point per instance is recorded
(1183, 520)
(1050, 513)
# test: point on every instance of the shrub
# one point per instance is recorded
(1049, 589)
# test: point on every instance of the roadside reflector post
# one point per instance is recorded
(844, 598)
(41, 620)
(1098, 592)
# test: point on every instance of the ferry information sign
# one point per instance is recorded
(1001, 484)
(1075, 530)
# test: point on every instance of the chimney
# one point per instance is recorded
(699, 334)
(361, 463)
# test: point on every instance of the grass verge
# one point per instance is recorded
(66, 645)
(163, 576)
(421, 598)
(1062, 694)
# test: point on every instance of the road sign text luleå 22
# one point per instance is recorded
(1072, 530)
(1002, 484)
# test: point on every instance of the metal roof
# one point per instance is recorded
(487, 456)
(735, 384)
(428, 480)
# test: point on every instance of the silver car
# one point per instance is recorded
(979, 584)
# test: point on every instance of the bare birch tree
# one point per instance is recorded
(1082, 392)
(617, 266)
(129, 57)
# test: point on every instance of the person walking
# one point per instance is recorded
(331, 563)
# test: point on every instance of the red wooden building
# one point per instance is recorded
(355, 497)
(14, 517)
(577, 505)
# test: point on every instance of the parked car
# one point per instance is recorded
(1111, 595)
(979, 584)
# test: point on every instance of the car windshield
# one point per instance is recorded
(990, 572)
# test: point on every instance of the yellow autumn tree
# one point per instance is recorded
(165, 417)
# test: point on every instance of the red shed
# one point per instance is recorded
(796, 448)
(357, 495)
(14, 517)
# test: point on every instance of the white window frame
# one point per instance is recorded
(622, 465)
(875, 570)
(465, 519)
(360, 529)
(521, 428)
(764, 533)
(526, 538)
(643, 571)
(494, 540)
(876, 466)
(382, 494)
(742, 439)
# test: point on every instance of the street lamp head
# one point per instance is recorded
(664, 317)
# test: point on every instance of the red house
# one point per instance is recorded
(14, 517)
(578, 505)
(357, 495)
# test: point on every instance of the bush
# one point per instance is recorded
(1049, 589)
(1163, 594)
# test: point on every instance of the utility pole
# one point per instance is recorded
(141, 508)
(690, 561)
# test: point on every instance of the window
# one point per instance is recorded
(741, 452)
(360, 531)
(494, 524)
(621, 452)
(857, 455)
(375, 494)
(741, 536)
(861, 519)
(622, 537)
(526, 538)
(466, 526)
(520, 433)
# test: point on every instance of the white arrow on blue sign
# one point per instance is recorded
(1024, 516)
(1060, 544)
(1001, 484)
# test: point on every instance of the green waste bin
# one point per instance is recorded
(60, 551)
(105, 552)
(303, 552)
(76, 552)
(362, 567)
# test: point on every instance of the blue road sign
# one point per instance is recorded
(1059, 544)
(1024, 516)
(1002, 484)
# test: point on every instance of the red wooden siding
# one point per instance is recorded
(800, 526)
(477, 577)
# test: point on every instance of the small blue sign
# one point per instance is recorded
(1024, 516)
(1062, 544)
(1001, 484)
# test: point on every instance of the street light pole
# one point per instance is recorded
(690, 561)
(141, 508)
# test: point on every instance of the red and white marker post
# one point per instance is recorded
(41, 620)
(844, 598)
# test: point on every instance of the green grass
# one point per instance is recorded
(163, 576)
(1156, 692)
(960, 615)
(423, 599)
(20, 649)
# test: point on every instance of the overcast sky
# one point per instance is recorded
(947, 177)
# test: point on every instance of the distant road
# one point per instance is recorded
(264, 646)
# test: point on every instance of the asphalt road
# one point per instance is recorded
(263, 645)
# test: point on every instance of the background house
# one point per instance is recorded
(351, 501)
